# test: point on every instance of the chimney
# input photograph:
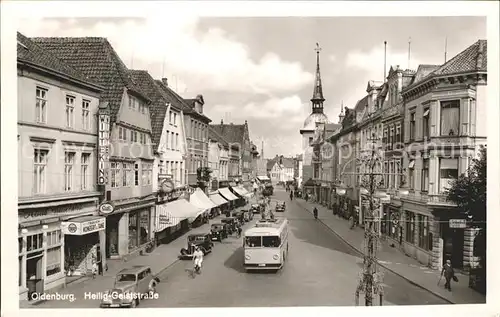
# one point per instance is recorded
(165, 81)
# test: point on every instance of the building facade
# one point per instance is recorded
(58, 197)
(442, 134)
(218, 159)
(281, 169)
(126, 158)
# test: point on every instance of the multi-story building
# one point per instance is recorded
(325, 161)
(308, 129)
(218, 159)
(58, 195)
(128, 203)
(442, 134)
(281, 169)
(238, 137)
(297, 169)
(196, 128)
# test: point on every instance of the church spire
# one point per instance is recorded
(317, 99)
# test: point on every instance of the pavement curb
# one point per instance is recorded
(382, 265)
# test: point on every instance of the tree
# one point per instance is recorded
(203, 176)
(469, 193)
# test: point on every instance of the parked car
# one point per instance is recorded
(130, 287)
(231, 222)
(280, 206)
(218, 231)
(202, 240)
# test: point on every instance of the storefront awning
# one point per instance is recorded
(170, 214)
(200, 200)
(263, 178)
(241, 191)
(227, 194)
(217, 199)
(83, 225)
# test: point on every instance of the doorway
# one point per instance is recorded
(453, 246)
(34, 273)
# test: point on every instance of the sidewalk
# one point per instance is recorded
(162, 257)
(397, 262)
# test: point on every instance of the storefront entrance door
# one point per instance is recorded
(34, 274)
(453, 246)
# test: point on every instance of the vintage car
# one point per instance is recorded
(231, 222)
(255, 208)
(280, 206)
(202, 240)
(218, 231)
(240, 215)
(131, 286)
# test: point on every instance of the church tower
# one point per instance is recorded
(317, 98)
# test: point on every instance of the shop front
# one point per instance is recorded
(200, 200)
(84, 242)
(128, 228)
(240, 193)
(221, 203)
(41, 242)
(172, 219)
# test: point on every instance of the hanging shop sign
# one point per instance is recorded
(103, 148)
(79, 228)
(167, 186)
(106, 208)
(458, 223)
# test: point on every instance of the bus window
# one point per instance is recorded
(271, 242)
(253, 242)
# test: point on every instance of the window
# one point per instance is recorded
(40, 170)
(412, 126)
(133, 136)
(126, 179)
(85, 114)
(132, 103)
(411, 174)
(392, 173)
(142, 108)
(423, 232)
(136, 174)
(161, 167)
(115, 174)
(450, 116)
(310, 140)
(410, 227)
(398, 136)
(70, 111)
(41, 105)
(174, 171)
(144, 174)
(172, 140)
(85, 171)
(425, 175)
(177, 141)
(53, 238)
(122, 134)
(271, 242)
(69, 161)
(149, 173)
(168, 138)
(34, 242)
(426, 124)
(253, 242)
(386, 176)
(448, 171)
(53, 252)
(385, 139)
(175, 119)
(170, 117)
(141, 137)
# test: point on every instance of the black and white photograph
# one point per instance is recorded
(211, 159)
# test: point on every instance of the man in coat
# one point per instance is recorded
(448, 273)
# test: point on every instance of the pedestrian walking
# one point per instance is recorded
(291, 195)
(448, 274)
(306, 197)
(95, 268)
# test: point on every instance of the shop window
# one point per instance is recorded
(34, 242)
(144, 227)
(423, 232)
(450, 117)
(410, 227)
(132, 231)
(53, 261)
(53, 238)
(448, 172)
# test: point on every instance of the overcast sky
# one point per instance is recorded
(261, 69)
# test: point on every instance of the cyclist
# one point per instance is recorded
(198, 259)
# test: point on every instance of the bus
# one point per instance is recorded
(266, 245)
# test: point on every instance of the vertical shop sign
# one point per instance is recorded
(103, 146)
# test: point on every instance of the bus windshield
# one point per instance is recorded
(266, 242)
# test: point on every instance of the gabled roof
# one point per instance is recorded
(233, 133)
(157, 108)
(97, 60)
(212, 135)
(177, 101)
(287, 162)
(423, 71)
(28, 52)
(271, 162)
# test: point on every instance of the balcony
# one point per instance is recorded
(430, 200)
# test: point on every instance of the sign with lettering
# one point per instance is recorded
(82, 228)
(103, 147)
(27, 215)
(458, 223)
(106, 208)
